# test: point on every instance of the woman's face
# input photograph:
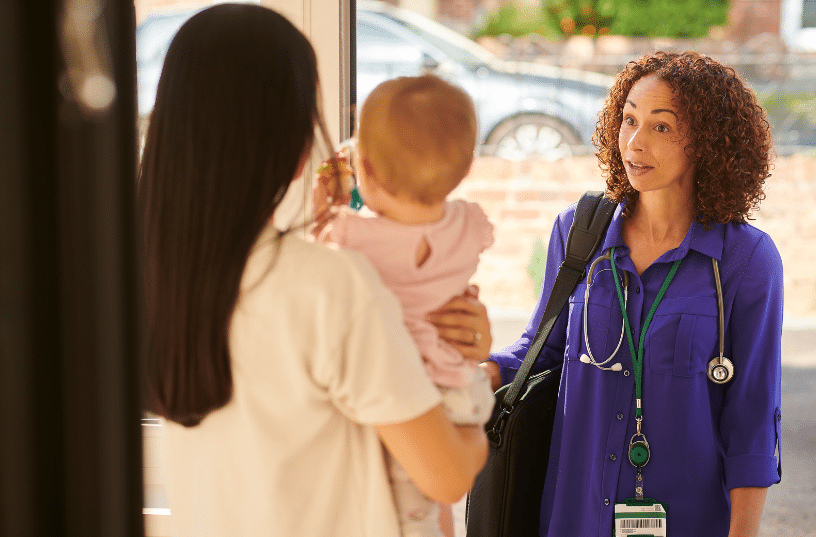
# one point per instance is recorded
(652, 140)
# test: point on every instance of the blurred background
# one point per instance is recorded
(538, 71)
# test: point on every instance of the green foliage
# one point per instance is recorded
(537, 264)
(518, 20)
(786, 105)
(586, 17)
(668, 18)
(554, 19)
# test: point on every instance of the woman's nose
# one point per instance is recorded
(634, 140)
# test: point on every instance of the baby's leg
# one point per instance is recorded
(446, 520)
(471, 404)
(418, 514)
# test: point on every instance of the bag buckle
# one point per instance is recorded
(498, 425)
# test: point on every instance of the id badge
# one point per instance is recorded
(640, 518)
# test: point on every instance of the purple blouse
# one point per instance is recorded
(705, 438)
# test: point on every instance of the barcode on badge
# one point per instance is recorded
(646, 519)
(641, 523)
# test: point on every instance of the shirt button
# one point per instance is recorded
(606, 501)
(620, 416)
(637, 290)
(613, 457)
(625, 372)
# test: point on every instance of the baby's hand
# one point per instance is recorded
(332, 188)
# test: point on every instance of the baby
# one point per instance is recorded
(416, 139)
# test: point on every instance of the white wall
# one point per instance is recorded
(324, 23)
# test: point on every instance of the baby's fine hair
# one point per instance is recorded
(419, 133)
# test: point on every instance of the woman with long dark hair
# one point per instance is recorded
(280, 366)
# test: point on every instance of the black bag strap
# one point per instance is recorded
(592, 216)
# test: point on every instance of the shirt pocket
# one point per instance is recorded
(598, 316)
(683, 336)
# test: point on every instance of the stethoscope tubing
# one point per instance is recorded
(592, 360)
(720, 360)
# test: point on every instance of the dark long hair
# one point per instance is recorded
(235, 112)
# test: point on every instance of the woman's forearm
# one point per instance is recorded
(441, 458)
(746, 511)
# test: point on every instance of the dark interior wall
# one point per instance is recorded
(15, 310)
(70, 322)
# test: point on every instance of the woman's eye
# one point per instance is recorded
(661, 128)
(629, 121)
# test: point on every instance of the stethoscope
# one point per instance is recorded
(720, 369)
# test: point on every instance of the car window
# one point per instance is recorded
(455, 46)
(153, 37)
(809, 14)
(376, 44)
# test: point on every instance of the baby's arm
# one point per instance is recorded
(332, 187)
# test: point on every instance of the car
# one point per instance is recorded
(153, 37)
(524, 109)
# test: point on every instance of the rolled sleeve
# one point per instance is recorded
(751, 416)
(750, 471)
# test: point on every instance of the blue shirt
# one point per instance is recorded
(705, 438)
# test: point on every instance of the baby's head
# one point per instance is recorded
(416, 138)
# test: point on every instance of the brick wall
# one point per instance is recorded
(522, 200)
(748, 18)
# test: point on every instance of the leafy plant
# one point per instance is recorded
(585, 17)
(518, 20)
(554, 19)
(537, 264)
(668, 18)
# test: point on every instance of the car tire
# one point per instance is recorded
(532, 136)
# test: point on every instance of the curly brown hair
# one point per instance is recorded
(729, 138)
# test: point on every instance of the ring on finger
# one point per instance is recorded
(477, 336)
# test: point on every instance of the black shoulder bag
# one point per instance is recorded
(506, 497)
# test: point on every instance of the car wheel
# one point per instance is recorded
(531, 135)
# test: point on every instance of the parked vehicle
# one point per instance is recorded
(524, 109)
(153, 37)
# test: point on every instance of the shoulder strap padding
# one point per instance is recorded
(592, 216)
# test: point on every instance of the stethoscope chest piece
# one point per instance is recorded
(720, 370)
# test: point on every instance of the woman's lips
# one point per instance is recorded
(637, 168)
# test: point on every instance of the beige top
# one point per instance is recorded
(319, 354)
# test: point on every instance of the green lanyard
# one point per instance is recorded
(637, 359)
(639, 452)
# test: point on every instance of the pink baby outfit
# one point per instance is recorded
(455, 244)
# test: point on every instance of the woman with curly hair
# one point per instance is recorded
(661, 416)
